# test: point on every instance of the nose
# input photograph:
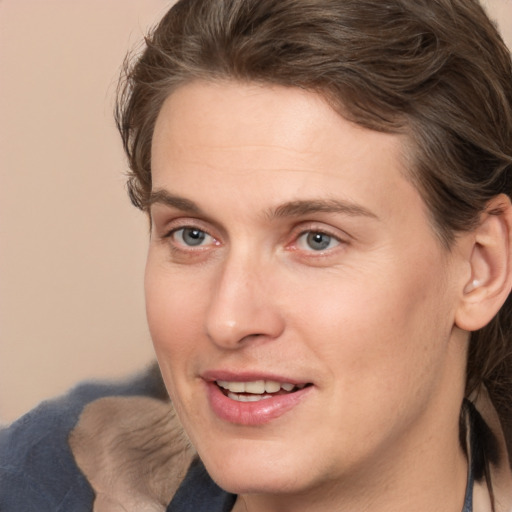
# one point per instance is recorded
(243, 305)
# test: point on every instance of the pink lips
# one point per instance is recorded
(250, 413)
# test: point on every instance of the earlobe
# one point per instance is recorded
(491, 267)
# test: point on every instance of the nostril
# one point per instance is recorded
(252, 337)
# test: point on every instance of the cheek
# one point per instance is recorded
(174, 310)
(383, 329)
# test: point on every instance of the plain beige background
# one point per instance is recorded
(72, 247)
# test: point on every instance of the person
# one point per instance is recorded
(327, 285)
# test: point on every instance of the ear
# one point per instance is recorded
(490, 260)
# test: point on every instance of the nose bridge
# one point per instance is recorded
(241, 305)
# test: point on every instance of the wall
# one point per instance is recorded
(72, 247)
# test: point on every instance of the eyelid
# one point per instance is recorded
(169, 226)
(175, 225)
(165, 218)
(320, 227)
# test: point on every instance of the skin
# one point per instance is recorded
(369, 320)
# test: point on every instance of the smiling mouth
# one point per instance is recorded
(254, 391)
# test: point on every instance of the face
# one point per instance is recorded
(300, 304)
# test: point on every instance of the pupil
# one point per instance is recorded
(193, 236)
(318, 241)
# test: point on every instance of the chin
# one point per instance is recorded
(256, 482)
(250, 472)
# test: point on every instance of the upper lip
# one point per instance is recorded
(248, 376)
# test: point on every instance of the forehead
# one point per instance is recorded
(248, 113)
(289, 139)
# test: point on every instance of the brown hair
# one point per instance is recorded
(436, 70)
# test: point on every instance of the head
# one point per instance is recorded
(436, 74)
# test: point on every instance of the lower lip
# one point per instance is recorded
(252, 413)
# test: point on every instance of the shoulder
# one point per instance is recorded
(45, 456)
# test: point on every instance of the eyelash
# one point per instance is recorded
(200, 233)
(304, 234)
(294, 246)
(183, 247)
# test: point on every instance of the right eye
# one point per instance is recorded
(191, 237)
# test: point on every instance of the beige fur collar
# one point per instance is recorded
(133, 452)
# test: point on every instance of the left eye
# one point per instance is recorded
(192, 237)
(317, 241)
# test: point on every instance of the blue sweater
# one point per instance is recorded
(38, 472)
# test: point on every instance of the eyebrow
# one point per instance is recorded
(306, 207)
(178, 202)
(289, 209)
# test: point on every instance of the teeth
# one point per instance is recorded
(247, 398)
(272, 386)
(257, 387)
(235, 387)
